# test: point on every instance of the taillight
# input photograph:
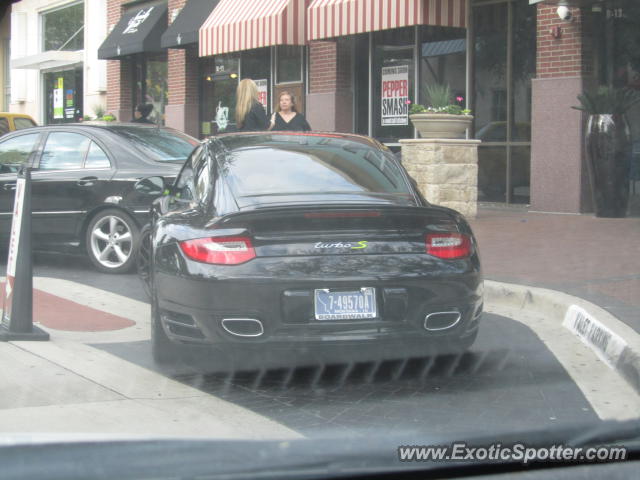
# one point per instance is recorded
(221, 250)
(448, 245)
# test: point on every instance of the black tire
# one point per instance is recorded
(461, 345)
(164, 352)
(107, 230)
(143, 259)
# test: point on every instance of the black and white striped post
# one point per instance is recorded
(17, 307)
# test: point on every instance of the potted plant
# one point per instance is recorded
(608, 147)
(442, 118)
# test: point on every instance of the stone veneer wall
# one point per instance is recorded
(446, 171)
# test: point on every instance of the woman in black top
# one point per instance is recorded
(287, 117)
(250, 114)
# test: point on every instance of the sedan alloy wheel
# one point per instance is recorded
(111, 241)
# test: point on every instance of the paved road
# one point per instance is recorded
(509, 381)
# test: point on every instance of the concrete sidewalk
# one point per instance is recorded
(597, 259)
(579, 271)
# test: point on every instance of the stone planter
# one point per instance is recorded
(441, 125)
(445, 170)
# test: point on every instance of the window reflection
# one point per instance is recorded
(502, 101)
(492, 169)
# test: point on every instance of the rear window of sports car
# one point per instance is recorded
(313, 170)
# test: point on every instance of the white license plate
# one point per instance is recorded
(345, 305)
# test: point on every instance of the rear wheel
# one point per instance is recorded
(164, 351)
(143, 259)
(462, 344)
(111, 240)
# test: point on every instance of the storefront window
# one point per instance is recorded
(256, 65)
(219, 80)
(441, 60)
(505, 58)
(393, 84)
(63, 94)
(63, 29)
(150, 84)
(156, 87)
(617, 62)
(289, 64)
(490, 27)
(443, 56)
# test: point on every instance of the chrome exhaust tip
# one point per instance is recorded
(243, 327)
(437, 321)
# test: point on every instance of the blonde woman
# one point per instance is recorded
(250, 114)
(287, 117)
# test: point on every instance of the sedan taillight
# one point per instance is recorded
(220, 250)
(448, 245)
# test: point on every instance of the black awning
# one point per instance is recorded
(184, 29)
(139, 30)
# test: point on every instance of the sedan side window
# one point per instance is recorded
(64, 151)
(96, 158)
(15, 151)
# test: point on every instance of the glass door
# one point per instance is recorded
(393, 84)
(219, 79)
(63, 96)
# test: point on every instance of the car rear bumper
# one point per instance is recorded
(196, 310)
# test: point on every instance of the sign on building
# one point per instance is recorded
(58, 99)
(262, 85)
(395, 95)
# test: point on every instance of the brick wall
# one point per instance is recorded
(567, 55)
(343, 65)
(182, 69)
(118, 73)
(322, 67)
(329, 66)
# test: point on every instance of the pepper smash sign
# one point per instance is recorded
(262, 85)
(395, 95)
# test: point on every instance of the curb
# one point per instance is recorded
(612, 340)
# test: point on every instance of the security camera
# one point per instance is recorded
(564, 13)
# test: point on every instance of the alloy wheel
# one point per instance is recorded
(111, 241)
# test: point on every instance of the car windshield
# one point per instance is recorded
(158, 144)
(310, 166)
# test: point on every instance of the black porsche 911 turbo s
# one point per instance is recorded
(306, 240)
(83, 175)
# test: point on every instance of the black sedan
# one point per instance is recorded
(292, 239)
(82, 189)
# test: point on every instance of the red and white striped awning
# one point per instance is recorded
(333, 18)
(236, 25)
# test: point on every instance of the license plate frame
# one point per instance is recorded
(323, 296)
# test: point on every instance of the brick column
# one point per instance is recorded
(119, 74)
(182, 109)
(330, 98)
(559, 180)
